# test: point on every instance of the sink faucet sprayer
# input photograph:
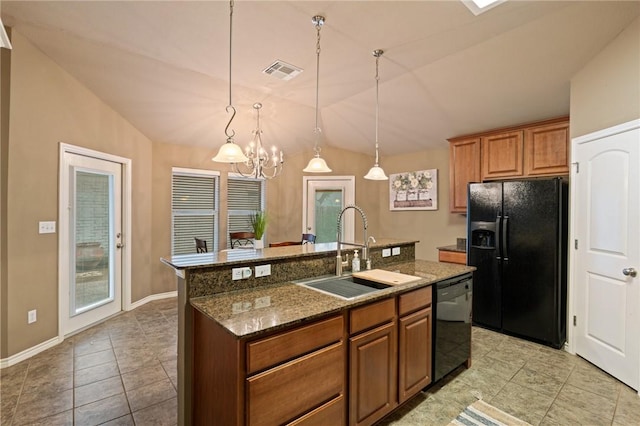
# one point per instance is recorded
(365, 247)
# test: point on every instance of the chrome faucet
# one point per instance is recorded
(365, 247)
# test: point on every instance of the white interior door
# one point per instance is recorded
(90, 241)
(324, 198)
(607, 229)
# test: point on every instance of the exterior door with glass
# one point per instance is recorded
(324, 199)
(91, 239)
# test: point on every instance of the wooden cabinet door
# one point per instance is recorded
(502, 155)
(372, 374)
(414, 348)
(464, 167)
(547, 150)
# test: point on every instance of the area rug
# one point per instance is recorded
(481, 413)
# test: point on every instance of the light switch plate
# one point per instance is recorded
(47, 227)
(386, 252)
(395, 251)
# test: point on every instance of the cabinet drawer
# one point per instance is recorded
(415, 300)
(371, 315)
(312, 379)
(452, 257)
(274, 350)
(331, 413)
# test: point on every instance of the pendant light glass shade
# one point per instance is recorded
(317, 164)
(230, 152)
(376, 172)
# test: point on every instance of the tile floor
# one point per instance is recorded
(120, 372)
(123, 372)
(540, 385)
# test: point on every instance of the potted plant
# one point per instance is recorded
(259, 225)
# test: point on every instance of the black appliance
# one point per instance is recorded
(517, 240)
(452, 331)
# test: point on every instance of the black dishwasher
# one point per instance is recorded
(452, 327)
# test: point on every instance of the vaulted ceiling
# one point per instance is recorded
(163, 65)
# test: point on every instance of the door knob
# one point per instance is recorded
(630, 272)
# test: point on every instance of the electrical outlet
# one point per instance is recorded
(236, 274)
(32, 316)
(246, 272)
(395, 251)
(47, 227)
(263, 270)
(386, 252)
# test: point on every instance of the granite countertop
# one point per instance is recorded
(247, 313)
(453, 248)
(239, 256)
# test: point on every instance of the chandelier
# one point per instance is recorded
(230, 152)
(376, 172)
(317, 163)
(260, 163)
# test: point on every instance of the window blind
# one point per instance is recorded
(245, 196)
(194, 207)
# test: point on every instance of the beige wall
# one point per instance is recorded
(606, 92)
(431, 228)
(49, 106)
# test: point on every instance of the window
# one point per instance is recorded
(245, 196)
(194, 209)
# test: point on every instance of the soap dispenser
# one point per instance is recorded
(355, 262)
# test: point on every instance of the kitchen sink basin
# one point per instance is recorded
(346, 287)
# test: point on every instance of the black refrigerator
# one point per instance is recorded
(517, 240)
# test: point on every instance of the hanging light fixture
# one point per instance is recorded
(317, 164)
(259, 163)
(376, 172)
(230, 152)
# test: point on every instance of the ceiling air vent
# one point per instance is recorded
(282, 70)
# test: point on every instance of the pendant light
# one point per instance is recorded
(376, 172)
(317, 164)
(230, 152)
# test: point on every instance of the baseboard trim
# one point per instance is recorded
(151, 298)
(28, 353)
(35, 350)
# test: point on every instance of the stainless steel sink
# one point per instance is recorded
(346, 287)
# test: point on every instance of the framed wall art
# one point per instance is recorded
(414, 190)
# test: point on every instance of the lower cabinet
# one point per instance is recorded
(372, 374)
(355, 367)
(414, 342)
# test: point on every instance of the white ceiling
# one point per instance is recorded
(163, 65)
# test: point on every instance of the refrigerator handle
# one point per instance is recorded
(505, 238)
(498, 239)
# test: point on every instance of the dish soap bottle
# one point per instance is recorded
(355, 262)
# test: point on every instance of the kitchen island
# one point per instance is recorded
(235, 335)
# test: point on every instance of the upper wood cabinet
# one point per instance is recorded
(502, 155)
(530, 150)
(547, 149)
(464, 167)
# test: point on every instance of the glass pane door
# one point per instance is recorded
(324, 199)
(91, 241)
(92, 283)
(328, 205)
